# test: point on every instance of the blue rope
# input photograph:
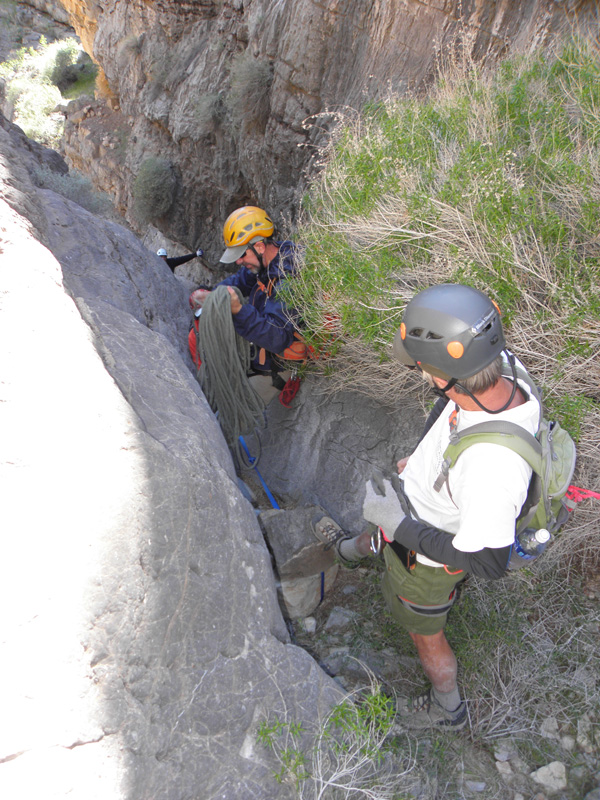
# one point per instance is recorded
(251, 460)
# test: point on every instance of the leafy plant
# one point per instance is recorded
(33, 107)
(70, 65)
(354, 752)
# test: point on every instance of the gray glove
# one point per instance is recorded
(382, 507)
(199, 252)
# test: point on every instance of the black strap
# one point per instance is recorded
(277, 380)
(408, 558)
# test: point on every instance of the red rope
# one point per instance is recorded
(289, 391)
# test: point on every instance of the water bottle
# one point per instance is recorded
(530, 542)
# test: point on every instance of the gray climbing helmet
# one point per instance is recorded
(451, 331)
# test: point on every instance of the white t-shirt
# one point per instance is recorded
(486, 487)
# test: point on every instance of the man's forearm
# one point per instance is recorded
(490, 563)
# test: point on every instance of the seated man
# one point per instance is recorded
(263, 320)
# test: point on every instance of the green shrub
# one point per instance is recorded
(248, 99)
(355, 752)
(72, 66)
(154, 189)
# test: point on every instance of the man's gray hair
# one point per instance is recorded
(483, 380)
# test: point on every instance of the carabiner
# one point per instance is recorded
(376, 542)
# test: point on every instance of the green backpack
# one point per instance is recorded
(551, 455)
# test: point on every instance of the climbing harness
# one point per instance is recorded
(430, 611)
(225, 358)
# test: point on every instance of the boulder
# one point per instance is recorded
(306, 570)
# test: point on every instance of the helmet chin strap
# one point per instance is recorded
(441, 390)
(258, 256)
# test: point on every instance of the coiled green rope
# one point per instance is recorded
(223, 374)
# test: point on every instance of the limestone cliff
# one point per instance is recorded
(235, 94)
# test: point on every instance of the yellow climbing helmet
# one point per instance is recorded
(244, 227)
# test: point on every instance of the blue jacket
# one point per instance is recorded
(264, 320)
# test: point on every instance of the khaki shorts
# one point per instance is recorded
(430, 588)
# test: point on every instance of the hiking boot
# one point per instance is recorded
(424, 711)
(330, 533)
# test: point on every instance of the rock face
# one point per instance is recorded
(142, 641)
(324, 448)
(51, 7)
(236, 95)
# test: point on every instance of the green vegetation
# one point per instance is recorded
(37, 80)
(354, 752)
(491, 179)
(154, 189)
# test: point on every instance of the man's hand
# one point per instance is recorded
(235, 300)
(382, 507)
(402, 464)
(197, 298)
(199, 252)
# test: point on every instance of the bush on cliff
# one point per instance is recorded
(248, 99)
(154, 189)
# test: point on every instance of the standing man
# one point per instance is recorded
(176, 261)
(264, 264)
(436, 532)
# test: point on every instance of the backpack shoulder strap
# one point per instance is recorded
(506, 434)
